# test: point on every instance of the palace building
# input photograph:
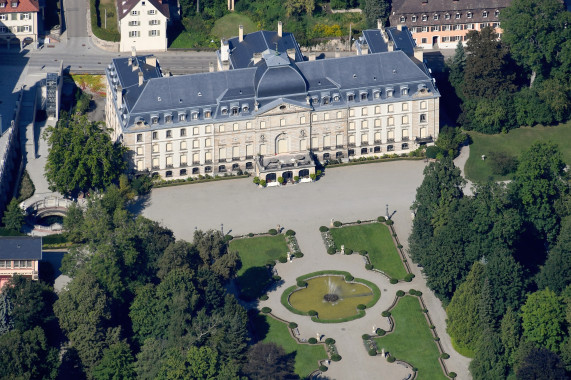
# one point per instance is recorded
(271, 111)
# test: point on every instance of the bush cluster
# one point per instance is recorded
(408, 277)
(445, 356)
(312, 313)
(273, 231)
(292, 325)
(263, 297)
(381, 219)
(380, 332)
(329, 341)
(372, 352)
(393, 281)
(361, 306)
(337, 223)
(391, 359)
(283, 259)
(331, 250)
(348, 251)
(363, 253)
(290, 233)
(312, 340)
(400, 293)
(335, 357)
(349, 278)
(323, 229)
(323, 368)
(266, 310)
(368, 266)
(386, 313)
(366, 336)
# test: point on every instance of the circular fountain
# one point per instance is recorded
(332, 297)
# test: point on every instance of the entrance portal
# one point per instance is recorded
(282, 146)
(287, 176)
(271, 177)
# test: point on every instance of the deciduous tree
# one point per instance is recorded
(14, 217)
(543, 319)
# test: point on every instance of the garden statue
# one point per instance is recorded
(343, 249)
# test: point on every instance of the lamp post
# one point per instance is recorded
(387, 212)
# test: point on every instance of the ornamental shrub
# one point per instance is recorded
(425, 310)
(250, 234)
(290, 233)
(276, 278)
(263, 182)
(312, 313)
(363, 253)
(312, 176)
(335, 357)
(301, 283)
(400, 293)
(366, 336)
(389, 222)
(337, 223)
(312, 340)
(296, 178)
(368, 266)
(299, 255)
(331, 250)
(266, 310)
(386, 313)
(399, 246)
(437, 339)
(432, 327)
(381, 219)
(372, 352)
(391, 359)
(329, 341)
(323, 368)
(318, 173)
(445, 356)
(452, 375)
(282, 259)
(292, 325)
(280, 180)
(263, 297)
(408, 277)
(418, 293)
(380, 332)
(273, 231)
(348, 251)
(228, 238)
(361, 306)
(412, 292)
(358, 222)
(323, 229)
(394, 281)
(256, 180)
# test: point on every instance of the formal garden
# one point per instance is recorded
(411, 339)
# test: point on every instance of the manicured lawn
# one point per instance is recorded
(253, 277)
(306, 356)
(227, 26)
(376, 239)
(514, 143)
(111, 15)
(412, 340)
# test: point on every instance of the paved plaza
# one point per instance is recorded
(345, 194)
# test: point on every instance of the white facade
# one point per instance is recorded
(17, 24)
(144, 28)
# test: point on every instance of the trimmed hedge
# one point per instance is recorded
(389, 222)
(273, 231)
(363, 253)
(276, 278)
(301, 284)
(348, 251)
(290, 233)
(299, 255)
(408, 277)
(366, 336)
(400, 293)
(452, 375)
(445, 356)
(391, 359)
(372, 352)
(361, 306)
(282, 259)
(266, 310)
(337, 224)
(312, 313)
(368, 266)
(323, 368)
(312, 341)
(394, 281)
(381, 219)
(292, 325)
(331, 250)
(349, 278)
(386, 313)
(335, 357)
(380, 332)
(323, 229)
(329, 341)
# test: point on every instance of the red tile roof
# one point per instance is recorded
(23, 6)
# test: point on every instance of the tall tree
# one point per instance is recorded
(117, 363)
(268, 361)
(541, 364)
(81, 156)
(543, 319)
(6, 323)
(14, 217)
(555, 274)
(376, 9)
(539, 183)
(489, 362)
(510, 333)
(457, 64)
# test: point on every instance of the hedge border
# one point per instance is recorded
(360, 313)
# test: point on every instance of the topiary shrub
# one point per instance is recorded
(292, 325)
(250, 234)
(408, 277)
(335, 357)
(266, 310)
(263, 183)
(358, 222)
(228, 238)
(399, 246)
(329, 341)
(372, 352)
(391, 359)
(425, 310)
(412, 292)
(348, 251)
(337, 223)
(256, 180)
(432, 327)
(394, 281)
(323, 229)
(312, 340)
(380, 332)
(445, 356)
(361, 306)
(331, 250)
(400, 293)
(437, 339)
(349, 278)
(273, 231)
(368, 266)
(381, 219)
(276, 278)
(296, 178)
(389, 222)
(452, 375)
(282, 259)
(366, 336)
(263, 297)
(418, 293)
(299, 255)
(363, 253)
(290, 233)
(323, 368)
(312, 313)
(301, 283)
(386, 313)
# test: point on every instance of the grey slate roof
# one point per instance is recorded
(243, 93)
(125, 6)
(20, 248)
(241, 53)
(401, 38)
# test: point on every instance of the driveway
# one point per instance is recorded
(345, 194)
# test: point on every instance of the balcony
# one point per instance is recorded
(339, 146)
(378, 141)
(423, 140)
(405, 138)
(235, 158)
(195, 163)
(326, 148)
(249, 157)
(170, 166)
(183, 164)
(208, 161)
(351, 145)
(390, 140)
(155, 167)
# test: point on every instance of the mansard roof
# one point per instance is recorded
(431, 6)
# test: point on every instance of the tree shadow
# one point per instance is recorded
(253, 283)
(259, 327)
(139, 204)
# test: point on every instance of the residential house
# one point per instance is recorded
(143, 24)
(19, 21)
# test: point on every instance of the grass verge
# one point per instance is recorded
(412, 340)
(376, 239)
(513, 143)
(227, 26)
(97, 9)
(306, 356)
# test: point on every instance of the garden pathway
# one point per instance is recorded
(460, 162)
(346, 194)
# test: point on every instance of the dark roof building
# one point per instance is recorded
(19, 255)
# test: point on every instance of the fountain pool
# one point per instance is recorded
(331, 297)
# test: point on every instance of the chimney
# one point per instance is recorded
(210, 67)
(141, 78)
(241, 33)
(307, 99)
(280, 29)
(291, 53)
(312, 56)
(130, 61)
(152, 61)
(380, 25)
(364, 49)
(391, 46)
(419, 53)
(133, 51)
(399, 27)
(119, 93)
(257, 57)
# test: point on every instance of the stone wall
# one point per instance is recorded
(102, 44)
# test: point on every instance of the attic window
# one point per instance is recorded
(181, 117)
(497, 13)
(350, 97)
(224, 111)
(485, 14)
(235, 111)
(207, 114)
(435, 17)
(154, 119)
(413, 18)
(404, 91)
(424, 18)
(469, 15)
(168, 118)
(336, 97)
(363, 96)
(377, 94)
(282, 107)
(245, 108)
(457, 16)
(200, 94)
(354, 75)
(158, 98)
(402, 19)
(194, 115)
(447, 16)
(326, 100)
(389, 92)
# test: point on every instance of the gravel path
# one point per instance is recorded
(346, 194)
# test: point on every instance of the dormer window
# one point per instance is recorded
(424, 18)
(350, 97)
(154, 119)
(207, 114)
(497, 13)
(402, 19)
(168, 118)
(457, 16)
(326, 100)
(376, 94)
(363, 96)
(413, 18)
(447, 16)
(181, 117)
(469, 14)
(485, 14)
(404, 91)
(435, 17)
(14, 4)
(336, 97)
(2, 5)
(224, 111)
(389, 92)
(245, 108)
(315, 99)
(235, 111)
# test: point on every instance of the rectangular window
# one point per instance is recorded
(424, 18)
(154, 22)
(208, 156)
(339, 140)
(3, 17)
(195, 158)
(139, 150)
(314, 143)
(134, 23)
(151, 12)
(155, 135)
(235, 127)
(423, 118)
(182, 132)
(351, 112)
(155, 148)
(365, 138)
(377, 137)
(485, 14)
(339, 114)
(282, 121)
(195, 144)
(195, 131)
(140, 165)
(16, 263)
(182, 145)
(364, 111)
(249, 125)
(327, 141)
(413, 18)
(249, 150)
(405, 106)
(154, 33)
(183, 159)
(208, 142)
(423, 105)
(405, 134)
(262, 124)
(236, 152)
(377, 123)
(134, 33)
(2, 263)
(139, 137)
(351, 125)
(169, 134)
(221, 128)
(405, 119)
(458, 16)
(134, 13)
(351, 139)
(169, 147)
(209, 129)
(169, 161)
(314, 117)
(155, 163)
(364, 124)
(425, 28)
(326, 116)
(377, 110)
(391, 121)
(435, 17)
(390, 135)
(391, 108)
(302, 120)
(222, 153)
